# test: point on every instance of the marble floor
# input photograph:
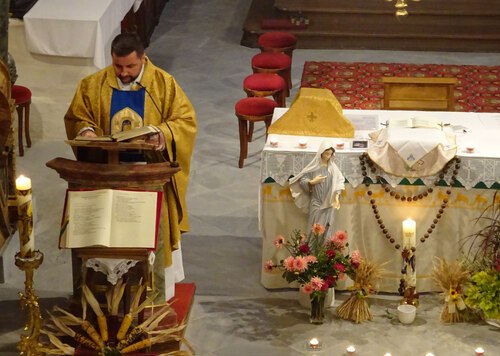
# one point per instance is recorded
(198, 42)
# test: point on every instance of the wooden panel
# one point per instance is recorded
(406, 93)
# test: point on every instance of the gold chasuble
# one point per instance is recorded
(314, 112)
(164, 102)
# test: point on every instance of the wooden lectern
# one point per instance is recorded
(111, 174)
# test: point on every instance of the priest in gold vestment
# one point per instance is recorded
(130, 93)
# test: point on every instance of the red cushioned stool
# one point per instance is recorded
(22, 97)
(271, 62)
(277, 41)
(266, 84)
(249, 111)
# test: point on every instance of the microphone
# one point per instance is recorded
(174, 162)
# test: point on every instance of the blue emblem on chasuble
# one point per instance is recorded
(126, 113)
(127, 110)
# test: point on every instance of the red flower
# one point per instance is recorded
(340, 267)
(325, 286)
(330, 280)
(304, 248)
(330, 253)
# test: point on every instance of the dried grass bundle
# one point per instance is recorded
(356, 308)
(450, 278)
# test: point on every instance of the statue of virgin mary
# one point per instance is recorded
(316, 189)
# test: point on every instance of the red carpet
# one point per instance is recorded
(358, 85)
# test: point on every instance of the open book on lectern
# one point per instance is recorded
(110, 218)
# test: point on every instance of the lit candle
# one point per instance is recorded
(429, 354)
(351, 350)
(479, 351)
(302, 143)
(469, 147)
(25, 216)
(387, 354)
(409, 233)
(314, 343)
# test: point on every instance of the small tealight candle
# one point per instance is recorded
(302, 143)
(387, 354)
(479, 351)
(273, 141)
(429, 354)
(23, 183)
(314, 343)
(339, 145)
(351, 350)
(469, 147)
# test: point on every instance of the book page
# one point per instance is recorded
(134, 219)
(89, 218)
(94, 138)
(134, 133)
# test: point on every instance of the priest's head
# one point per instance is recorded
(127, 53)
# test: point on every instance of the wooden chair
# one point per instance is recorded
(248, 111)
(274, 62)
(277, 41)
(21, 96)
(266, 84)
(414, 93)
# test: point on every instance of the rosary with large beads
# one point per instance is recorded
(368, 164)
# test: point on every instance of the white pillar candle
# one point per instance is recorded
(25, 216)
(409, 243)
(409, 233)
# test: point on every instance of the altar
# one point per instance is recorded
(74, 28)
(478, 177)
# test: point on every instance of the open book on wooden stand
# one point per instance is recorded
(111, 218)
(110, 174)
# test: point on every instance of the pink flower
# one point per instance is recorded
(318, 229)
(341, 236)
(304, 248)
(339, 239)
(311, 259)
(288, 263)
(317, 283)
(303, 238)
(307, 288)
(299, 264)
(356, 257)
(341, 276)
(268, 266)
(279, 241)
(339, 267)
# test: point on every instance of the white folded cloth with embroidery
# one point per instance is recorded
(412, 144)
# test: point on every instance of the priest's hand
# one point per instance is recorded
(88, 133)
(158, 140)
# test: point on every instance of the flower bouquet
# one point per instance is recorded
(316, 262)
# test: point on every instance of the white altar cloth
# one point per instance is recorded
(76, 28)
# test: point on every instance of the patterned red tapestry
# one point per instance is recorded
(359, 85)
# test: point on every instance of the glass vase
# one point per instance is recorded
(317, 308)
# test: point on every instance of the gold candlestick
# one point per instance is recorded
(29, 344)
